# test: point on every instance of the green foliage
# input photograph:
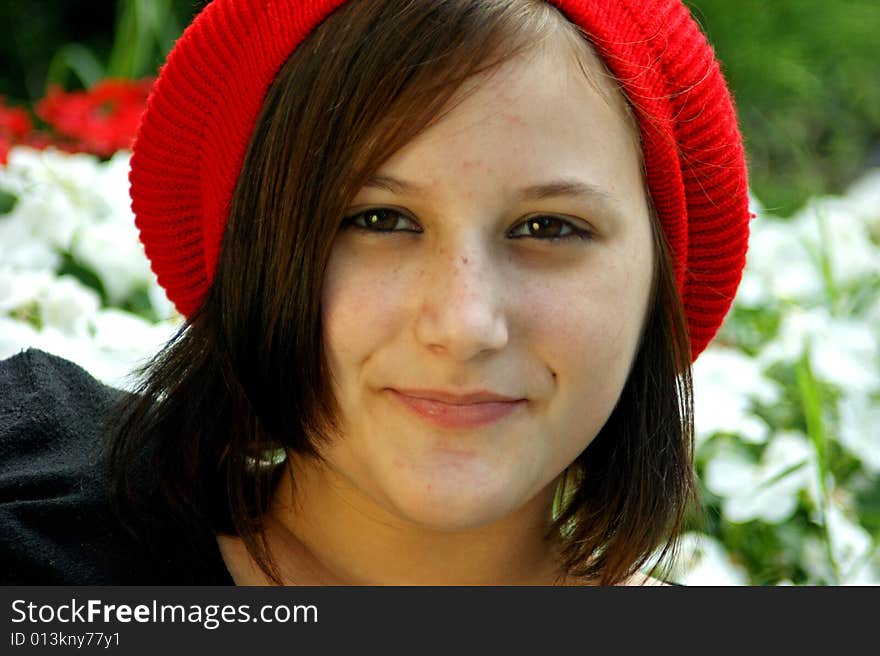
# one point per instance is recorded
(834, 530)
(804, 75)
(145, 31)
(75, 43)
(139, 303)
(7, 202)
(74, 58)
(69, 266)
(29, 313)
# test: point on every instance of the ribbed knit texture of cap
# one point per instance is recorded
(200, 116)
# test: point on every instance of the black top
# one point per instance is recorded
(56, 526)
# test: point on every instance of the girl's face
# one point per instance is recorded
(447, 278)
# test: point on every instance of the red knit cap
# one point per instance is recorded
(204, 106)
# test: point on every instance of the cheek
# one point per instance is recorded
(360, 309)
(589, 342)
(592, 324)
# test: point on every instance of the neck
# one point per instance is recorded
(329, 533)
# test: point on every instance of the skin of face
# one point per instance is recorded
(461, 295)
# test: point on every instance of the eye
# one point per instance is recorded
(378, 219)
(543, 228)
(550, 228)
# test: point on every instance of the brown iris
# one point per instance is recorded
(539, 226)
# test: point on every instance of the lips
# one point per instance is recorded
(460, 411)
(479, 396)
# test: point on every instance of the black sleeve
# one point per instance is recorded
(56, 525)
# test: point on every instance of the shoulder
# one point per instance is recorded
(57, 526)
(47, 403)
(34, 375)
(53, 520)
(50, 409)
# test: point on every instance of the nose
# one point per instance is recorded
(462, 310)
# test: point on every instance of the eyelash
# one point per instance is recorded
(575, 232)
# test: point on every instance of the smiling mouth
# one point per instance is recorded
(458, 415)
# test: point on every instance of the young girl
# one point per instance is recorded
(445, 268)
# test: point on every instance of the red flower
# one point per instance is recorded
(102, 120)
(15, 125)
(14, 121)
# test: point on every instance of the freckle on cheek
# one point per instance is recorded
(513, 119)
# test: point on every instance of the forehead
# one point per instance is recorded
(550, 112)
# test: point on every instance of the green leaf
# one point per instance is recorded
(69, 266)
(77, 59)
(812, 406)
(763, 485)
(8, 201)
(128, 44)
(144, 28)
(824, 262)
(29, 313)
(138, 302)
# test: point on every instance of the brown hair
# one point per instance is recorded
(246, 377)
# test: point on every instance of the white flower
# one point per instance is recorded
(725, 382)
(871, 316)
(21, 249)
(63, 303)
(76, 175)
(767, 490)
(123, 341)
(164, 308)
(76, 348)
(784, 257)
(16, 336)
(50, 216)
(67, 304)
(778, 266)
(21, 288)
(57, 193)
(829, 225)
(114, 185)
(702, 561)
(851, 545)
(113, 344)
(114, 252)
(23, 163)
(862, 200)
(860, 428)
(753, 291)
(842, 351)
(116, 330)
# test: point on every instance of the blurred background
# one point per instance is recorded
(787, 398)
(805, 73)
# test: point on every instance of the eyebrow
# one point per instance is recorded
(563, 187)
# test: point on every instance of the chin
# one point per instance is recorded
(448, 521)
(452, 508)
